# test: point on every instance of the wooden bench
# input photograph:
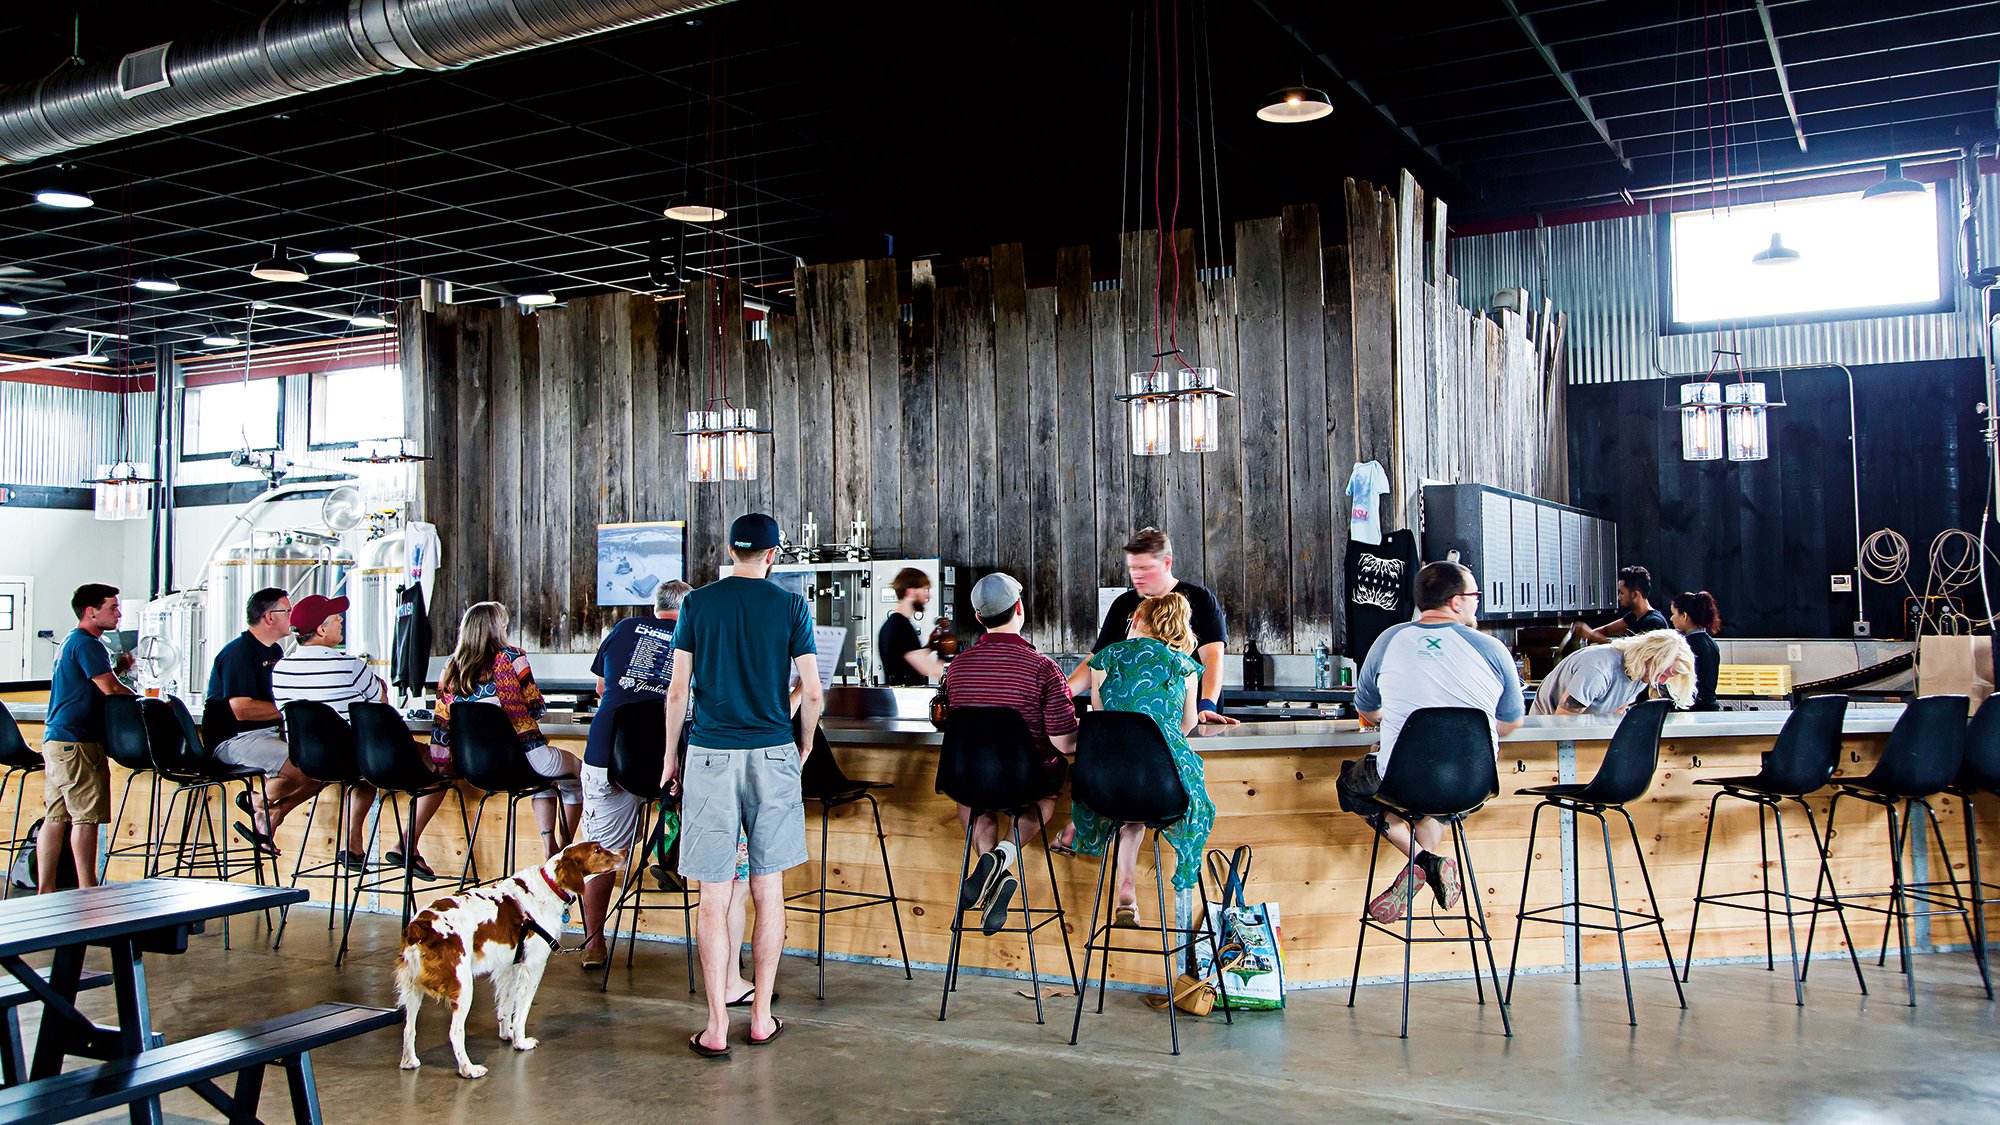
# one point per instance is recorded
(13, 994)
(196, 1063)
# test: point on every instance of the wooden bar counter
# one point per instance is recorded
(1273, 787)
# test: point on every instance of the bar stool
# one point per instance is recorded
(1918, 761)
(1125, 773)
(822, 782)
(1798, 763)
(19, 762)
(398, 766)
(321, 746)
(1978, 772)
(125, 743)
(1442, 767)
(990, 765)
(1624, 776)
(488, 755)
(183, 759)
(638, 755)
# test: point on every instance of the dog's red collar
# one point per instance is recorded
(554, 886)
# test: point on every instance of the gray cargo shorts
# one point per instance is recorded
(756, 791)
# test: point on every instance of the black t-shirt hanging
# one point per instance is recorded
(411, 661)
(1381, 580)
(897, 640)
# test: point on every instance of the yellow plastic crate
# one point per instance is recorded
(1768, 680)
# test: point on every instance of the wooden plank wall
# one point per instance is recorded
(963, 414)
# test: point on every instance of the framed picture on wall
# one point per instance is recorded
(634, 558)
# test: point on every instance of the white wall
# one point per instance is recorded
(61, 549)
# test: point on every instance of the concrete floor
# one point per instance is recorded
(875, 1051)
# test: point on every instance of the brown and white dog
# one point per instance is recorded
(505, 931)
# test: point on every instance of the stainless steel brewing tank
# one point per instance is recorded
(297, 566)
(372, 587)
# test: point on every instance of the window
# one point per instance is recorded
(219, 419)
(351, 407)
(1857, 257)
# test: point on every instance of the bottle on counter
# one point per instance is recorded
(1253, 667)
(1322, 666)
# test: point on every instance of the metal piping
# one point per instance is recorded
(298, 49)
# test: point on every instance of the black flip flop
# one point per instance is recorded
(258, 840)
(243, 802)
(747, 998)
(695, 1045)
(756, 1042)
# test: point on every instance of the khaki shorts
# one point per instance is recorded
(610, 814)
(76, 783)
(755, 792)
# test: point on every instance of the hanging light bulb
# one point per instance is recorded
(739, 444)
(156, 281)
(61, 189)
(704, 446)
(1893, 185)
(369, 316)
(10, 307)
(536, 297)
(1776, 254)
(1701, 421)
(121, 491)
(696, 213)
(1294, 104)
(1149, 403)
(1749, 435)
(1199, 405)
(219, 338)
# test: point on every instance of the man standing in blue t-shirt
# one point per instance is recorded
(738, 642)
(76, 782)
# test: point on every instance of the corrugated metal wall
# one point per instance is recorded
(1604, 274)
(58, 436)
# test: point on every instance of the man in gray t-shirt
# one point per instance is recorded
(1438, 660)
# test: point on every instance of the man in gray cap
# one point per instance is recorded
(1004, 670)
(738, 642)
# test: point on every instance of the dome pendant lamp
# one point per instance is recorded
(280, 266)
(1894, 185)
(1776, 254)
(1294, 104)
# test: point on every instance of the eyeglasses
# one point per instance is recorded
(1467, 594)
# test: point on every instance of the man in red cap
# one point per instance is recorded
(319, 671)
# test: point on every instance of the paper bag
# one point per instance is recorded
(1955, 666)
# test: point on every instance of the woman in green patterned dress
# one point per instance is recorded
(1152, 673)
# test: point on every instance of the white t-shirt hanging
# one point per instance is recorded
(1365, 488)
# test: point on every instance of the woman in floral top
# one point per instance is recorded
(1152, 673)
(485, 669)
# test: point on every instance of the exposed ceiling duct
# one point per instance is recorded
(297, 49)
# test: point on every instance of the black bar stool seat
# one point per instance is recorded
(638, 756)
(991, 764)
(1441, 768)
(398, 766)
(1624, 776)
(1799, 763)
(18, 762)
(489, 756)
(189, 764)
(320, 745)
(125, 742)
(1919, 761)
(1125, 773)
(822, 782)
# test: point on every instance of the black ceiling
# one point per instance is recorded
(945, 128)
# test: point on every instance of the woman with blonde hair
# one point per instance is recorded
(485, 669)
(1606, 679)
(1151, 672)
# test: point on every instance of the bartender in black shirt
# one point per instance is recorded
(906, 661)
(1149, 560)
(1635, 588)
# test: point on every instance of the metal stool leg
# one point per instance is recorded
(1700, 882)
(1055, 893)
(1166, 946)
(1027, 923)
(1978, 892)
(1764, 869)
(1090, 943)
(1822, 845)
(1791, 924)
(1901, 906)
(819, 957)
(1521, 914)
(1212, 929)
(1361, 939)
(1618, 919)
(1944, 861)
(299, 863)
(889, 877)
(958, 929)
(1476, 911)
(1653, 900)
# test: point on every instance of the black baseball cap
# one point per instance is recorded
(753, 532)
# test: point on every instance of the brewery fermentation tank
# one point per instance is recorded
(374, 589)
(296, 563)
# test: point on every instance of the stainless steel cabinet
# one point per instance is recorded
(1533, 559)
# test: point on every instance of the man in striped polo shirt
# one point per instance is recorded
(1004, 670)
(320, 672)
